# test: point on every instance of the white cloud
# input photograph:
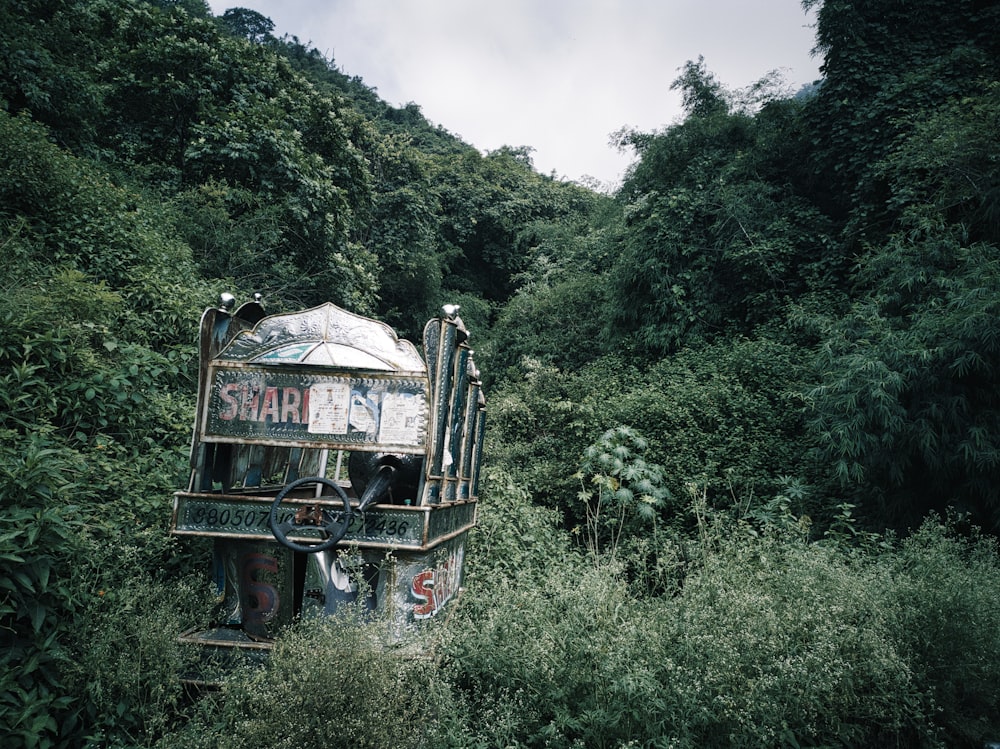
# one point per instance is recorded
(558, 76)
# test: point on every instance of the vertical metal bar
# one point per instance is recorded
(432, 344)
(255, 466)
(292, 465)
(203, 474)
(322, 459)
(211, 338)
(457, 410)
(469, 439)
(441, 388)
(477, 458)
(241, 463)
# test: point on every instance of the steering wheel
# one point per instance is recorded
(332, 524)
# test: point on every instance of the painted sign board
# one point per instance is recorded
(303, 407)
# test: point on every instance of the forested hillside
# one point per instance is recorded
(743, 468)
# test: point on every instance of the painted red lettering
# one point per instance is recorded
(434, 588)
(260, 599)
(249, 403)
(229, 401)
(290, 406)
(422, 588)
(271, 406)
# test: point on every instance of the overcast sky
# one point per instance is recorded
(557, 76)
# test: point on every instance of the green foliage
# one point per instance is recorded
(89, 454)
(272, 153)
(70, 373)
(48, 49)
(39, 533)
(551, 322)
(555, 315)
(248, 24)
(885, 67)
(93, 424)
(543, 671)
(768, 641)
(906, 411)
(776, 617)
(619, 489)
(701, 94)
(945, 171)
(403, 236)
(727, 417)
(489, 205)
(944, 598)
(718, 239)
(717, 587)
(60, 210)
(904, 126)
(537, 424)
(126, 662)
(327, 682)
(514, 536)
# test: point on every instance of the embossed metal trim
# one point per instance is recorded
(325, 336)
(265, 405)
(382, 526)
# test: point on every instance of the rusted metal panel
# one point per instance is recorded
(457, 412)
(477, 441)
(427, 582)
(257, 586)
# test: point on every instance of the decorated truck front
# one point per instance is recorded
(331, 463)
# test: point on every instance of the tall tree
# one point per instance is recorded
(886, 63)
(907, 411)
(48, 52)
(249, 24)
(255, 150)
(718, 237)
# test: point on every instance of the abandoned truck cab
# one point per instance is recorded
(331, 463)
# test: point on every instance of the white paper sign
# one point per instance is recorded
(329, 407)
(401, 415)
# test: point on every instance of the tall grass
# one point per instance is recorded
(766, 639)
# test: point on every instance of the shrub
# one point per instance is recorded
(534, 663)
(329, 682)
(514, 536)
(621, 491)
(944, 602)
(728, 417)
(777, 642)
(126, 662)
(39, 530)
(767, 641)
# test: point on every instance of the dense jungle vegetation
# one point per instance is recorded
(743, 477)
